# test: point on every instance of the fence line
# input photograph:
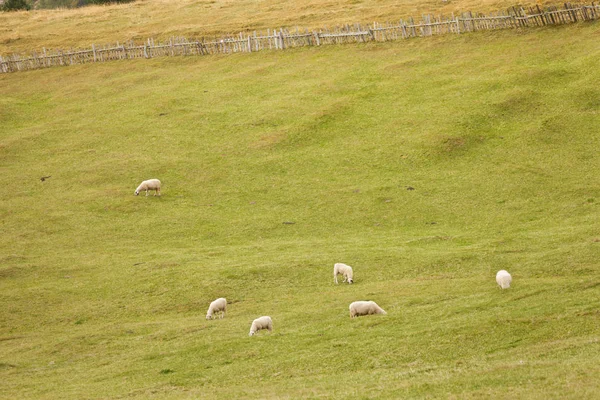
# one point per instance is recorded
(279, 39)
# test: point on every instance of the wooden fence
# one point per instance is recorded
(279, 39)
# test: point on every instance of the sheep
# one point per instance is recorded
(359, 308)
(150, 184)
(217, 306)
(342, 269)
(261, 323)
(504, 279)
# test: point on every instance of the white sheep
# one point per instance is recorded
(504, 279)
(261, 323)
(150, 184)
(342, 269)
(359, 308)
(217, 306)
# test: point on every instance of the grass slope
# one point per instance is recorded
(104, 293)
(24, 32)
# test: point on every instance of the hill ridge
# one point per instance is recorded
(282, 39)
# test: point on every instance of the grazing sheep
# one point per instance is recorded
(261, 323)
(150, 184)
(342, 269)
(504, 279)
(359, 308)
(217, 306)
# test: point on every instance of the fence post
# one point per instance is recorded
(457, 26)
(317, 39)
(542, 14)
(584, 13)
(371, 34)
(281, 40)
(249, 44)
(570, 12)
(524, 17)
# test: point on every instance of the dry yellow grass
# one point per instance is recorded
(62, 29)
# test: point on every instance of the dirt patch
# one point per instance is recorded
(454, 143)
(268, 141)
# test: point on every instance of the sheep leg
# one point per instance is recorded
(146, 192)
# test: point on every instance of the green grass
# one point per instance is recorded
(104, 293)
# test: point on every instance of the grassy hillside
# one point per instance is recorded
(162, 19)
(275, 165)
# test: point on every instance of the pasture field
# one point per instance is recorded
(427, 165)
(24, 32)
